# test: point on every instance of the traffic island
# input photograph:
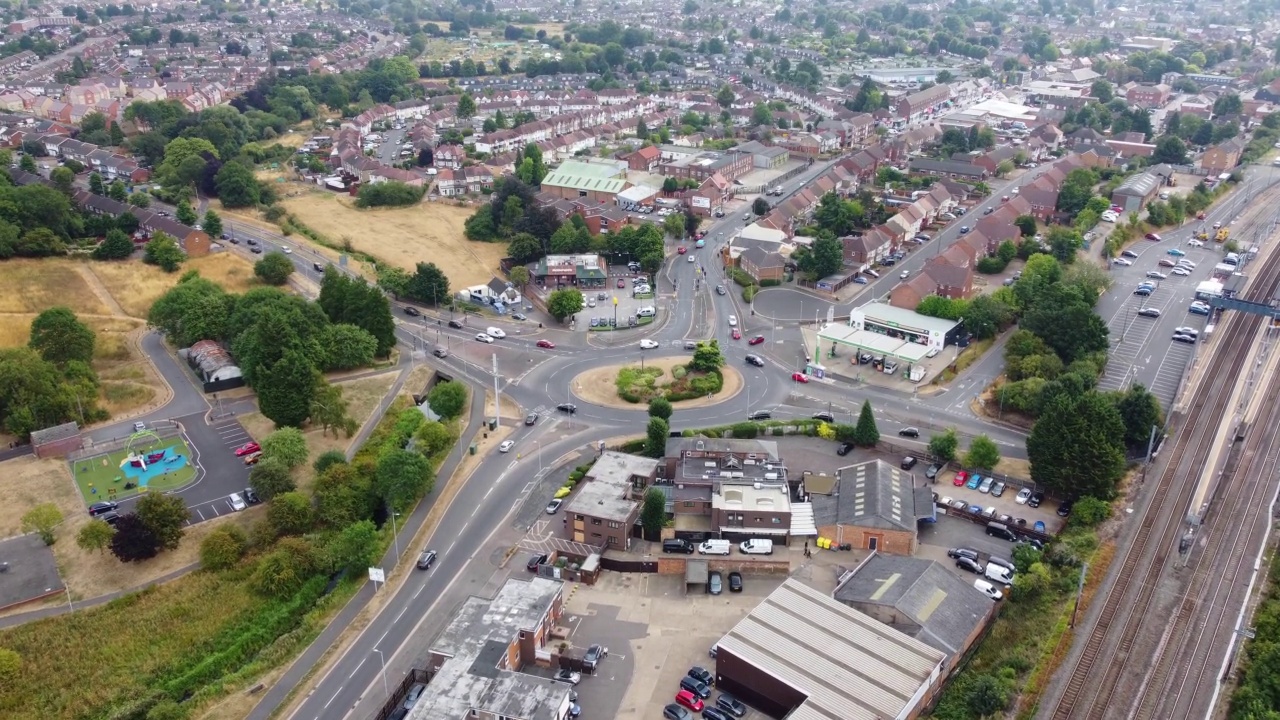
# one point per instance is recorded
(658, 378)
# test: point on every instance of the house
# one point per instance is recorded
(1134, 193)
(868, 248)
(1042, 196)
(644, 160)
(595, 182)
(938, 277)
(762, 264)
(763, 156)
(1223, 157)
(606, 505)
(912, 108)
(1148, 96)
(563, 270)
(947, 168)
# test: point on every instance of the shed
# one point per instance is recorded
(56, 441)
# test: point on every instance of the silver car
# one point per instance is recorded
(987, 482)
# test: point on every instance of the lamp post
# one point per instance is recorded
(395, 534)
(385, 688)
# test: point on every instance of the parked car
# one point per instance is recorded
(251, 496)
(695, 687)
(236, 502)
(957, 553)
(730, 704)
(985, 486)
(961, 478)
(247, 448)
(1035, 499)
(715, 584)
(1023, 495)
(567, 676)
(553, 507)
(997, 490)
(932, 471)
(908, 462)
(1176, 252)
(1149, 312)
(974, 481)
(689, 700)
(969, 564)
(1129, 254)
(824, 416)
(910, 432)
(102, 508)
(535, 561)
(735, 585)
(701, 675)
(844, 449)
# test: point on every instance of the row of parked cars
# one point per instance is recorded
(694, 696)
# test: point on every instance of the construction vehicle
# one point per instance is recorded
(1222, 235)
(1202, 235)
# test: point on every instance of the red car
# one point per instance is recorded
(546, 344)
(689, 700)
(1117, 208)
(1200, 215)
(799, 377)
(245, 449)
(682, 249)
(756, 340)
(736, 335)
(961, 478)
(1153, 236)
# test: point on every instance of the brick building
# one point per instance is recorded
(605, 507)
(871, 505)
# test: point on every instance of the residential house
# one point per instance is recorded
(948, 168)
(762, 264)
(1149, 96)
(605, 505)
(1223, 157)
(645, 159)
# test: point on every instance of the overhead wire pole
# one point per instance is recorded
(497, 394)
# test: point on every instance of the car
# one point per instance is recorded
(932, 471)
(591, 303)
(701, 675)
(1039, 526)
(964, 229)
(714, 713)
(1129, 254)
(1157, 275)
(682, 250)
(755, 360)
(426, 559)
(970, 564)
(1154, 237)
(997, 490)
(1187, 331)
(102, 508)
(1217, 225)
(689, 700)
(496, 333)
(622, 283)
(959, 504)
(910, 432)
(535, 561)
(1035, 499)
(844, 449)
(961, 478)
(824, 416)
(1122, 261)
(236, 502)
(987, 589)
(286, 250)
(456, 325)
(908, 462)
(697, 688)
(1064, 507)
(546, 344)
(506, 446)
(731, 705)
(1185, 263)
(1195, 242)
(1181, 272)
(415, 692)
(249, 447)
(1176, 252)
(799, 377)
(602, 296)
(693, 259)
(1144, 290)
(1179, 337)
(251, 496)
(411, 311)
(859, 280)
(985, 486)
(1166, 262)
(1199, 308)
(904, 274)
(733, 321)
(735, 585)
(531, 419)
(720, 290)
(593, 656)
(759, 415)
(484, 338)
(440, 352)
(988, 211)
(1149, 312)
(568, 677)
(756, 340)
(974, 481)
(1023, 495)
(736, 334)
(554, 506)
(647, 344)
(1116, 209)
(989, 512)
(959, 552)
(253, 458)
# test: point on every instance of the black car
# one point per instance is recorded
(234, 241)
(675, 712)
(760, 415)
(711, 713)
(731, 705)
(844, 449)
(969, 564)
(255, 250)
(531, 419)
(455, 324)
(592, 658)
(252, 242)
(411, 311)
(909, 432)
(715, 584)
(250, 496)
(824, 417)
(535, 561)
(1064, 508)
(109, 518)
(735, 581)
(957, 553)
(701, 675)
(426, 559)
(755, 360)
(908, 462)
(932, 471)
(1035, 499)
(102, 508)
(567, 407)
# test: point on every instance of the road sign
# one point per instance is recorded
(377, 575)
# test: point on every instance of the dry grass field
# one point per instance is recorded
(34, 285)
(135, 285)
(427, 232)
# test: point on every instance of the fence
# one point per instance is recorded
(164, 429)
(397, 696)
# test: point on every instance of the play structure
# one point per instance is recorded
(146, 463)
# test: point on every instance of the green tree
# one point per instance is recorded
(95, 535)
(290, 513)
(428, 284)
(354, 548)
(673, 225)
(655, 444)
(286, 445)
(328, 459)
(270, 477)
(983, 453)
(986, 696)
(725, 96)
(653, 514)
(117, 191)
(825, 257)
(346, 347)
(1102, 91)
(329, 410)
(28, 165)
(563, 303)
(1071, 328)
(212, 224)
(1076, 446)
(343, 495)
(466, 106)
(943, 446)
(660, 407)
(280, 573)
(95, 184)
(1140, 412)
(1170, 149)
(865, 432)
(448, 399)
(236, 185)
(402, 476)
(760, 206)
(286, 389)
(42, 518)
(165, 516)
(707, 357)
(185, 214)
(433, 438)
(184, 160)
(63, 180)
(532, 168)
(1026, 225)
(132, 540)
(115, 246)
(163, 250)
(519, 276)
(223, 548)
(274, 268)
(60, 337)
(1089, 512)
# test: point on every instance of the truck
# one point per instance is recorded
(1222, 235)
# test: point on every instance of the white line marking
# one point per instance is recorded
(335, 696)
(424, 587)
(400, 615)
(353, 672)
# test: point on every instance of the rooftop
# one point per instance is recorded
(727, 460)
(886, 314)
(606, 494)
(872, 494)
(585, 176)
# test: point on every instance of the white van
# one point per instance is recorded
(756, 546)
(987, 589)
(647, 311)
(714, 547)
(999, 574)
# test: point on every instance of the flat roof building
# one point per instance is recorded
(885, 331)
(605, 507)
(804, 656)
(594, 181)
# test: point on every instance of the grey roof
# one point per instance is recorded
(847, 665)
(727, 460)
(870, 494)
(606, 494)
(763, 448)
(55, 433)
(476, 641)
(933, 605)
(946, 166)
(1138, 185)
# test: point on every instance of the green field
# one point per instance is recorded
(101, 477)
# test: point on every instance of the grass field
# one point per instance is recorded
(136, 286)
(103, 473)
(34, 285)
(26, 482)
(427, 232)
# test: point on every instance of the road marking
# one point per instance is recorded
(420, 589)
(335, 697)
(455, 542)
(491, 487)
(353, 672)
(400, 615)
(380, 639)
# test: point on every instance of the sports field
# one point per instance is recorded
(148, 464)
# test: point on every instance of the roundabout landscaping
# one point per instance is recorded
(599, 385)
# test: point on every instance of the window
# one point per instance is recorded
(777, 520)
(688, 503)
(613, 540)
(595, 521)
(614, 524)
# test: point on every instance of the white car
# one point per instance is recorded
(1195, 242)
(236, 502)
(1183, 262)
(1110, 217)
(1180, 271)
(496, 332)
(987, 589)
(1122, 261)
(506, 446)
(733, 321)
(648, 344)
(692, 258)
(285, 249)
(484, 338)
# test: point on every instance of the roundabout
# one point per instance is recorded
(598, 385)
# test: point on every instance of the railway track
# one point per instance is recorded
(1127, 605)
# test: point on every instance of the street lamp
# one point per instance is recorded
(385, 688)
(395, 535)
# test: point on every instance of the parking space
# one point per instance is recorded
(224, 472)
(1004, 504)
(633, 308)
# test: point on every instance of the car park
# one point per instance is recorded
(506, 446)
(553, 507)
(426, 559)
(236, 502)
(1149, 312)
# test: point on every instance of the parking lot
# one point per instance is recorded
(600, 306)
(1005, 504)
(224, 473)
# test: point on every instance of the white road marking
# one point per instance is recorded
(353, 672)
(399, 615)
(335, 696)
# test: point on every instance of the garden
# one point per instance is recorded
(699, 377)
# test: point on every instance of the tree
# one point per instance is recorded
(165, 516)
(286, 389)
(1102, 90)
(466, 106)
(656, 432)
(1089, 512)
(133, 541)
(95, 184)
(212, 224)
(432, 438)
(402, 476)
(60, 337)
(354, 548)
(761, 115)
(563, 303)
(1170, 149)
(428, 284)
(983, 453)
(117, 191)
(346, 347)
(163, 250)
(270, 477)
(281, 572)
(223, 548)
(236, 185)
(329, 410)
(115, 246)
(865, 432)
(1026, 225)
(673, 225)
(95, 535)
(42, 518)
(1140, 412)
(519, 276)
(759, 206)
(660, 407)
(725, 96)
(448, 399)
(653, 514)
(943, 447)
(986, 696)
(274, 268)
(1076, 446)
(286, 445)
(63, 180)
(290, 513)
(328, 459)
(532, 168)
(707, 357)
(1071, 328)
(825, 257)
(185, 214)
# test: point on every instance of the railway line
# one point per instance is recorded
(1151, 639)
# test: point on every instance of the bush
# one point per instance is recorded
(745, 430)
(388, 194)
(991, 265)
(749, 293)
(223, 548)
(1089, 512)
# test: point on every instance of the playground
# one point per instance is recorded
(147, 463)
